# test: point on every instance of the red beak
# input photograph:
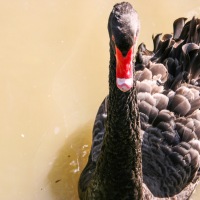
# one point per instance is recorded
(124, 70)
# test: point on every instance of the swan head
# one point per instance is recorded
(123, 28)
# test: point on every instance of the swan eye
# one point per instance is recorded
(113, 38)
(135, 40)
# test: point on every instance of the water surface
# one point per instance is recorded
(54, 71)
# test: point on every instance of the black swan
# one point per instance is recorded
(146, 133)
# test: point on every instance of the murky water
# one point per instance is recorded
(54, 65)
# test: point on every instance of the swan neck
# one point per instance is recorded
(120, 163)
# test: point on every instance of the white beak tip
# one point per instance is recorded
(124, 84)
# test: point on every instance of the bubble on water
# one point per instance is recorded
(56, 130)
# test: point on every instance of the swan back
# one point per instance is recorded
(169, 102)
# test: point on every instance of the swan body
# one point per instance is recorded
(146, 133)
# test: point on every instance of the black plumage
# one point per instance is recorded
(159, 116)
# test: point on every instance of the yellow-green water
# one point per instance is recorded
(53, 76)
